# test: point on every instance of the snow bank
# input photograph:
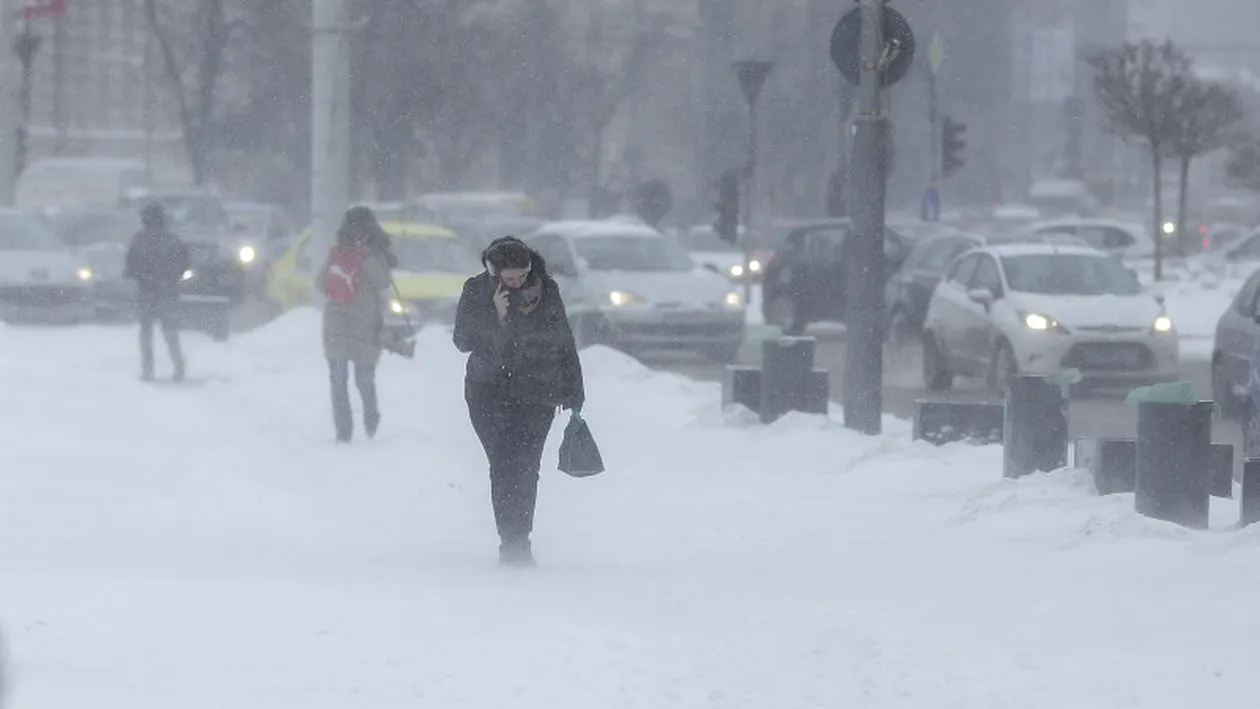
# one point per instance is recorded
(208, 546)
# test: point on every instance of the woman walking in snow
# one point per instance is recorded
(522, 364)
(354, 280)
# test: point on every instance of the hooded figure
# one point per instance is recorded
(522, 364)
(157, 261)
(354, 280)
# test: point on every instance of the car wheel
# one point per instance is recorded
(1250, 430)
(936, 374)
(1222, 392)
(1003, 367)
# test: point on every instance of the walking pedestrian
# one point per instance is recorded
(522, 365)
(157, 261)
(354, 280)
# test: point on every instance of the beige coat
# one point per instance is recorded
(352, 331)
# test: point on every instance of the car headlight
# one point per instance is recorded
(1163, 324)
(188, 275)
(1169, 228)
(84, 273)
(621, 298)
(247, 254)
(398, 307)
(754, 266)
(737, 271)
(733, 300)
(1041, 323)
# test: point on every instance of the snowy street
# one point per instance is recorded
(207, 545)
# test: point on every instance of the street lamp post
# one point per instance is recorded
(752, 74)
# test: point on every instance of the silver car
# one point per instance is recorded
(632, 287)
(1236, 335)
(41, 280)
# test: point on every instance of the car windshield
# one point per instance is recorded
(434, 255)
(1069, 274)
(85, 228)
(19, 232)
(194, 210)
(707, 239)
(628, 252)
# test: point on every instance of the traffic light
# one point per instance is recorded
(727, 225)
(952, 146)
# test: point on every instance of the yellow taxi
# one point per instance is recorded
(433, 264)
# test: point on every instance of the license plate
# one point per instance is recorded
(1115, 357)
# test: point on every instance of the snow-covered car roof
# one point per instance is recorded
(1088, 221)
(1041, 250)
(578, 229)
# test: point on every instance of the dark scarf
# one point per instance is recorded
(526, 299)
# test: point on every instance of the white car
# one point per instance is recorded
(1043, 309)
(41, 279)
(1124, 239)
(724, 258)
(630, 286)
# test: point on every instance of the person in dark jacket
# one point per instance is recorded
(157, 261)
(522, 364)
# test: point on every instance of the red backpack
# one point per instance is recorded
(341, 278)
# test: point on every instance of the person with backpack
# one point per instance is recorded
(522, 364)
(354, 282)
(157, 261)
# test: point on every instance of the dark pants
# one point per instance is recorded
(513, 433)
(161, 313)
(365, 381)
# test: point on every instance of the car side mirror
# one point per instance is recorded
(983, 296)
(711, 267)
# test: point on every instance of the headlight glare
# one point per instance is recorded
(1163, 324)
(733, 300)
(247, 254)
(1038, 322)
(754, 266)
(84, 273)
(621, 298)
(737, 271)
(188, 275)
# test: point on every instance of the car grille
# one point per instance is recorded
(1109, 357)
(1112, 329)
(42, 296)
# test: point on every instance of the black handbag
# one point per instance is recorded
(579, 455)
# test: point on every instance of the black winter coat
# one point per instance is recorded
(531, 357)
(157, 262)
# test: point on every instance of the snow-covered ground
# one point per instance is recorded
(209, 546)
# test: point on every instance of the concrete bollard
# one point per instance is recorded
(1035, 427)
(1112, 462)
(941, 422)
(787, 366)
(1220, 470)
(1249, 504)
(741, 385)
(1174, 442)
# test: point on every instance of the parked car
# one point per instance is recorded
(267, 228)
(1042, 309)
(1124, 239)
(1239, 257)
(432, 266)
(41, 279)
(226, 268)
(909, 290)
(100, 238)
(1236, 335)
(629, 286)
(805, 281)
(722, 257)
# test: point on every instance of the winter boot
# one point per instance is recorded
(371, 422)
(517, 554)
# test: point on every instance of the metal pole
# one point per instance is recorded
(330, 121)
(933, 130)
(59, 83)
(750, 177)
(27, 45)
(8, 109)
(863, 372)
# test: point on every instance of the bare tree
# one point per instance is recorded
(1201, 123)
(192, 37)
(1141, 88)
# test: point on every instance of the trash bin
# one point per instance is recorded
(1034, 426)
(1173, 450)
(787, 366)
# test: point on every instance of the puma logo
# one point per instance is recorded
(341, 273)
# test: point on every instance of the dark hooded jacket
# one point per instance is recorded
(157, 260)
(532, 356)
